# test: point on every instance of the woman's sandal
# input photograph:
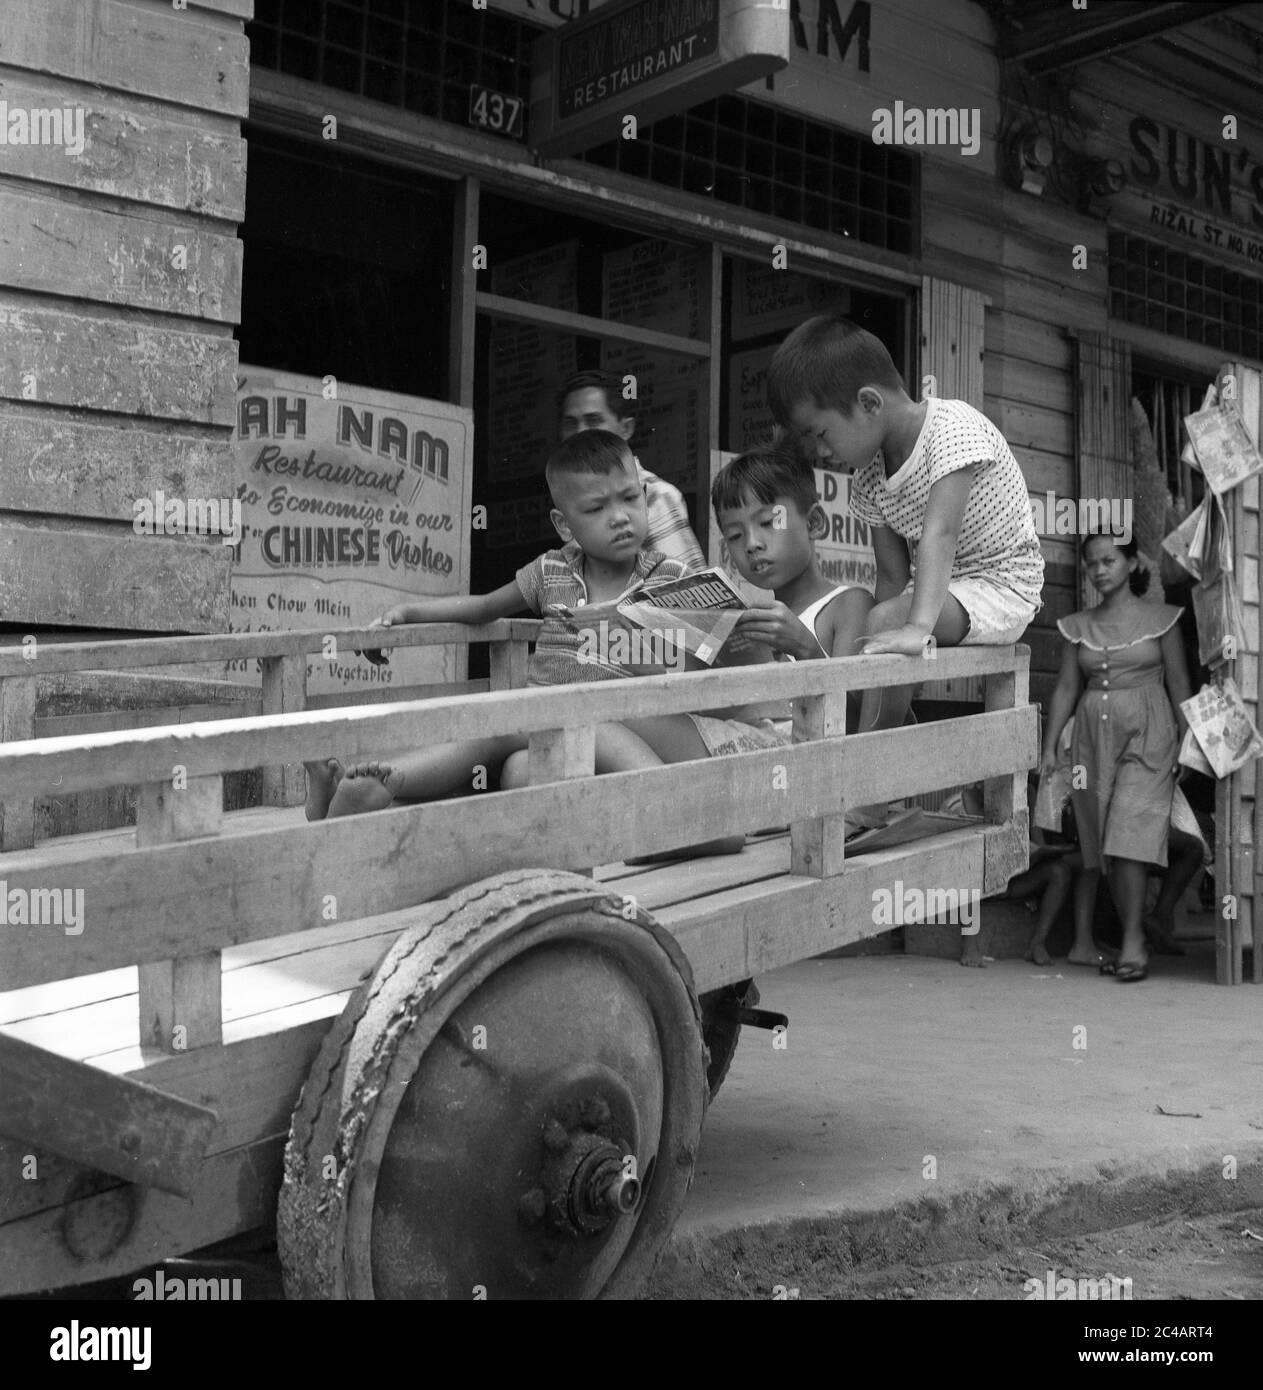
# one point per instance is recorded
(1132, 973)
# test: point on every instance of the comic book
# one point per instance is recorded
(698, 613)
(1222, 726)
(1225, 452)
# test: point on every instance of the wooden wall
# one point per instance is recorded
(117, 366)
(1018, 250)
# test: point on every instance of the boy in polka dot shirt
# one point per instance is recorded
(957, 554)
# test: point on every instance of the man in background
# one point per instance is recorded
(593, 400)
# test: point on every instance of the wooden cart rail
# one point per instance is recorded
(216, 950)
(30, 670)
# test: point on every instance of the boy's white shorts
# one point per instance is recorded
(997, 616)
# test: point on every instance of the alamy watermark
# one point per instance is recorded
(900, 906)
(161, 515)
(42, 125)
(1109, 1288)
(620, 646)
(915, 125)
(1082, 516)
(42, 907)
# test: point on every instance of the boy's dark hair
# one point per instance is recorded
(765, 474)
(608, 382)
(1138, 579)
(590, 452)
(824, 362)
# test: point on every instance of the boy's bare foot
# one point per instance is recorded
(322, 781)
(365, 787)
(1098, 956)
(1038, 954)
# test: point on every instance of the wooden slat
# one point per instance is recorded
(519, 311)
(17, 722)
(509, 663)
(98, 471)
(76, 359)
(235, 1192)
(236, 646)
(284, 692)
(147, 754)
(57, 575)
(817, 846)
(53, 246)
(557, 755)
(763, 926)
(81, 1113)
(264, 884)
(179, 1002)
(1005, 798)
(133, 150)
(152, 50)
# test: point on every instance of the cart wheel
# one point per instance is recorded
(721, 1028)
(509, 1108)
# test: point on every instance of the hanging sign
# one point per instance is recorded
(648, 59)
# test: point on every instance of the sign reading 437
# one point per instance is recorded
(496, 112)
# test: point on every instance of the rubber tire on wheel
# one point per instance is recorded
(414, 1162)
(721, 1029)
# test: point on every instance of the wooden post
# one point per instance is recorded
(460, 338)
(560, 755)
(509, 661)
(818, 846)
(710, 298)
(284, 692)
(1004, 798)
(180, 1000)
(17, 722)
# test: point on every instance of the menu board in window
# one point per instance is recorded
(765, 300)
(654, 284)
(529, 363)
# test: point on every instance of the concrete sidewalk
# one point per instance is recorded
(894, 1060)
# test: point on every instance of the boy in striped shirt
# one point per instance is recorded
(600, 514)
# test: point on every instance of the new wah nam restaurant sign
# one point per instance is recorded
(647, 59)
(352, 501)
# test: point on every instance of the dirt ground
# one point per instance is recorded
(1214, 1257)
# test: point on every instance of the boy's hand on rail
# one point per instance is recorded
(781, 629)
(1047, 764)
(392, 616)
(902, 641)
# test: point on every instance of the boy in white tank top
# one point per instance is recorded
(770, 517)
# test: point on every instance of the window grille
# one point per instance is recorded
(743, 152)
(423, 55)
(1157, 287)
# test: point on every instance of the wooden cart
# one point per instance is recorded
(442, 1051)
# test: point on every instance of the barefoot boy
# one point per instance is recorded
(934, 475)
(599, 512)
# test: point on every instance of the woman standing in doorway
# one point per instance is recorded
(1123, 676)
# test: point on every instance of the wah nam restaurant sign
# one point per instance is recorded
(645, 59)
(350, 504)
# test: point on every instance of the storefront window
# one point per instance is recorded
(346, 268)
(619, 301)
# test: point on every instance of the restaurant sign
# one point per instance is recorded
(645, 59)
(352, 501)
